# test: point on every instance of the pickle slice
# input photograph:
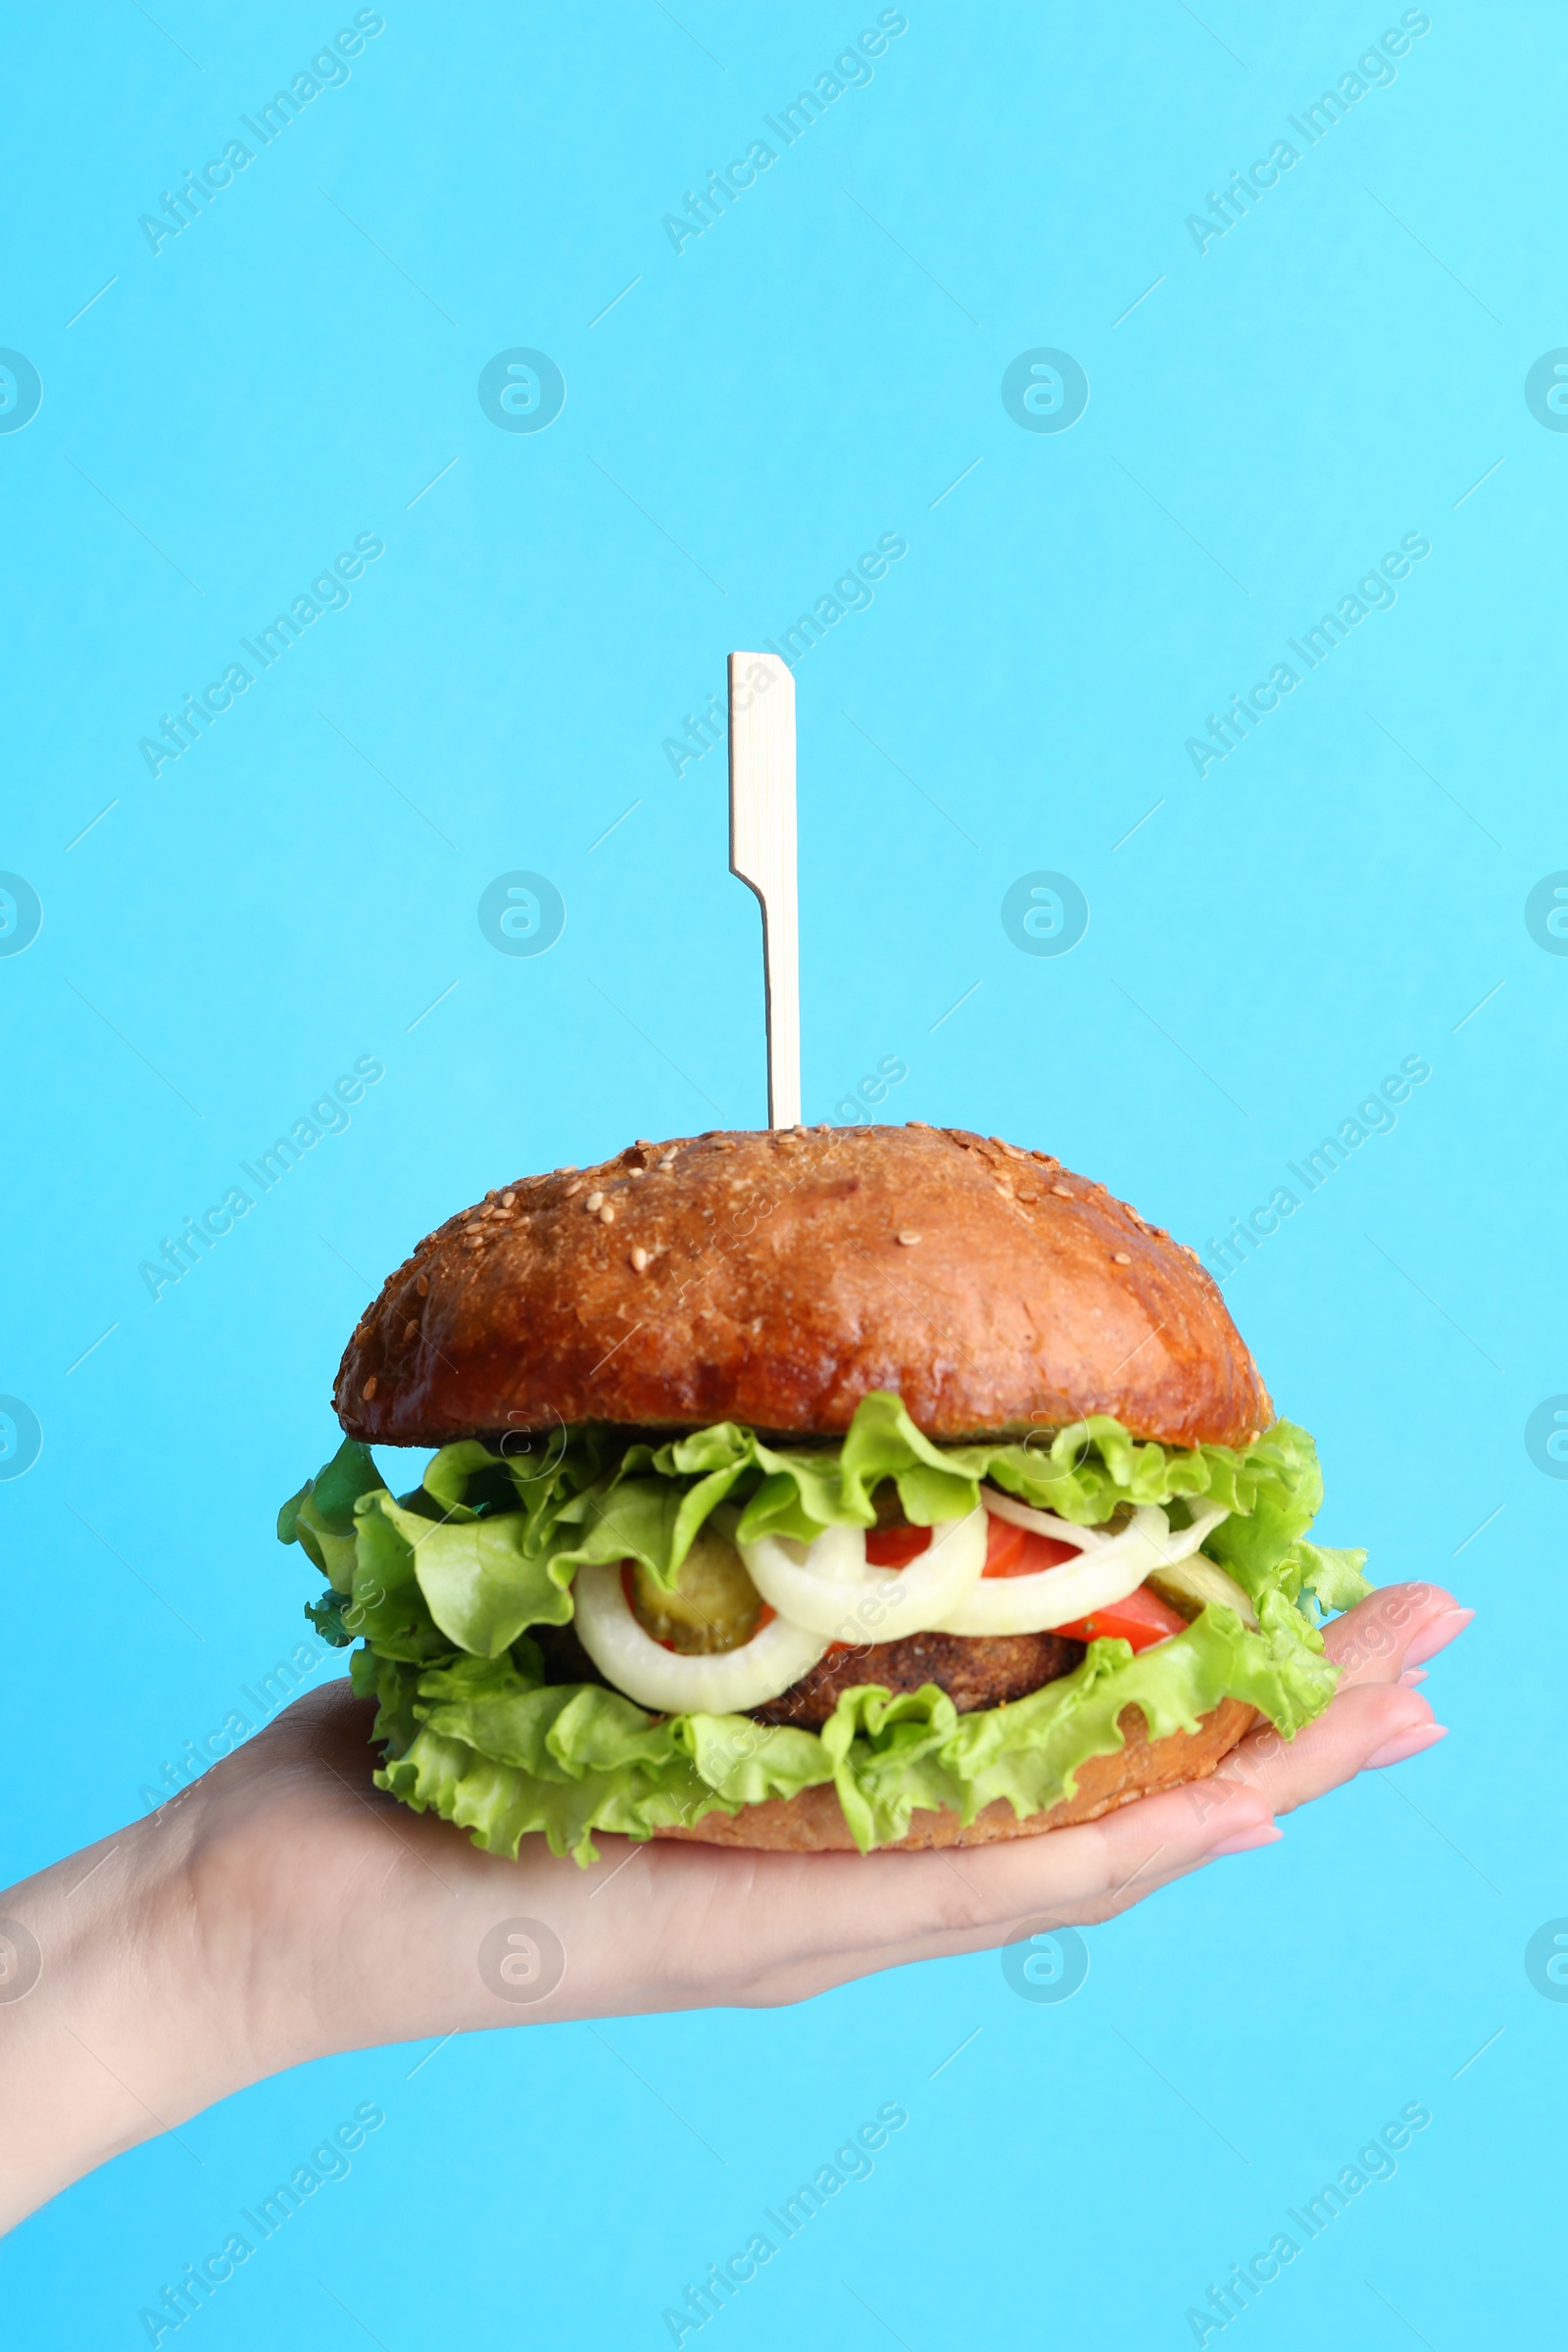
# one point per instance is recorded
(1191, 1584)
(713, 1607)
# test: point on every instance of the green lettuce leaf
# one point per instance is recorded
(592, 1501)
(319, 1518)
(505, 1755)
(441, 1588)
(482, 1585)
(1333, 1575)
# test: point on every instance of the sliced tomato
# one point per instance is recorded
(1018, 1551)
(896, 1547)
(1009, 1550)
(1143, 1619)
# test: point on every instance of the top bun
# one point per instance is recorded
(775, 1278)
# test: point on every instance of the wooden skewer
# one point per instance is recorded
(761, 853)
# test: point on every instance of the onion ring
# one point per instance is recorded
(724, 1683)
(1111, 1567)
(830, 1586)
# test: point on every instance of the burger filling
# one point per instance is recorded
(606, 1630)
(713, 1606)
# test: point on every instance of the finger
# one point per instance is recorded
(1102, 1868)
(1374, 1716)
(1143, 1847)
(1398, 1627)
(1245, 1825)
(1361, 1724)
(802, 1980)
(1438, 1635)
(883, 1911)
(1375, 1720)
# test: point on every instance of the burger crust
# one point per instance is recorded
(775, 1278)
(813, 1823)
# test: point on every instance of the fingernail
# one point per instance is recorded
(1266, 1834)
(1411, 1676)
(1407, 1744)
(1438, 1635)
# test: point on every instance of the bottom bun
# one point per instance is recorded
(813, 1823)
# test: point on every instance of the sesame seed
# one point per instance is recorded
(594, 1203)
(1119, 1257)
(669, 1161)
(636, 1172)
(508, 1199)
(409, 1327)
(575, 1186)
(639, 1260)
(1061, 1191)
(422, 1286)
(607, 1215)
(908, 1240)
(368, 1389)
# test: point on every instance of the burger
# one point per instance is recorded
(812, 1489)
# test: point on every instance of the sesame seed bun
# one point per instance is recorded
(775, 1278)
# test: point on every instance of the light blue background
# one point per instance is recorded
(817, 370)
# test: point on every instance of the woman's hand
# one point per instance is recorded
(282, 1908)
